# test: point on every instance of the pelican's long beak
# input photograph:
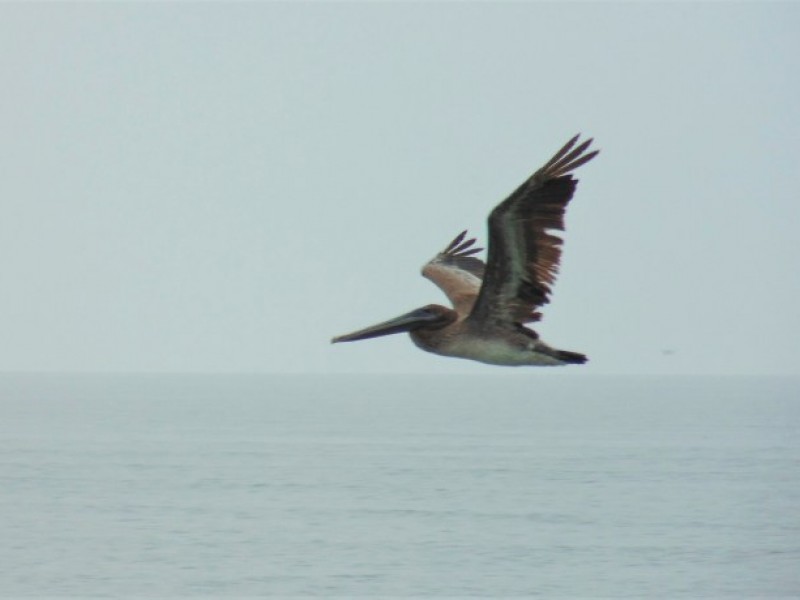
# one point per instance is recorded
(405, 322)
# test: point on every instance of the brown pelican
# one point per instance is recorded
(492, 301)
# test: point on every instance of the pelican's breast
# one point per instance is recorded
(508, 350)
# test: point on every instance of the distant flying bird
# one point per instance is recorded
(492, 301)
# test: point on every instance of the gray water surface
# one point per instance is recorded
(509, 485)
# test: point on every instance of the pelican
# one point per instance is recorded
(493, 301)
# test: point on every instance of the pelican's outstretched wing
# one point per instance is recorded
(457, 273)
(523, 254)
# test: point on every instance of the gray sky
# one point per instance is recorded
(209, 187)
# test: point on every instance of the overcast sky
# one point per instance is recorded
(217, 187)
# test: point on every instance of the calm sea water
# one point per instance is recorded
(511, 485)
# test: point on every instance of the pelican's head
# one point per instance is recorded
(432, 316)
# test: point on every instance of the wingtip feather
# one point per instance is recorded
(456, 241)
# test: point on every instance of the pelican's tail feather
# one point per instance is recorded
(573, 358)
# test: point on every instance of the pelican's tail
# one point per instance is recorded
(573, 358)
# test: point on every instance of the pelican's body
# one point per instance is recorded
(506, 348)
(492, 301)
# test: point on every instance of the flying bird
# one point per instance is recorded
(493, 301)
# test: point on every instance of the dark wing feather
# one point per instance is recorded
(457, 273)
(459, 253)
(523, 253)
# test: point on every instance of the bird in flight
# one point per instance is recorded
(493, 301)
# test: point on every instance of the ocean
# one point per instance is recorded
(520, 484)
